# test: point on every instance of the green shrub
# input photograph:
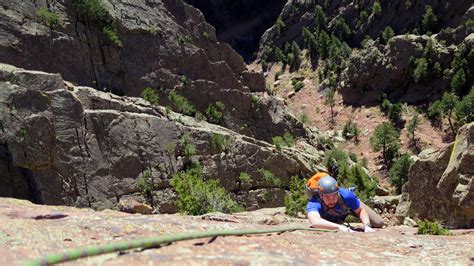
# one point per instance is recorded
(197, 197)
(385, 106)
(111, 33)
(304, 118)
(376, 8)
(49, 18)
(431, 228)
(465, 109)
(264, 64)
(189, 149)
(277, 75)
(353, 157)
(395, 113)
(270, 178)
(245, 178)
(278, 142)
(429, 19)
(320, 19)
(399, 171)
(92, 8)
(220, 142)
(149, 95)
(385, 139)
(296, 199)
(289, 139)
(351, 130)
(435, 111)
(146, 185)
(421, 69)
(181, 104)
(335, 161)
(364, 183)
(145, 182)
(469, 23)
(459, 81)
(200, 117)
(214, 112)
(297, 85)
(412, 126)
(280, 25)
(184, 80)
(96, 10)
(387, 34)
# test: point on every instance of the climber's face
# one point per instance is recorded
(330, 199)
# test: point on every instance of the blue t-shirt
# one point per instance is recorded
(337, 214)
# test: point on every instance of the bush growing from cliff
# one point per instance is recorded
(429, 20)
(421, 69)
(220, 142)
(197, 197)
(49, 18)
(399, 171)
(214, 112)
(189, 149)
(280, 25)
(287, 140)
(244, 179)
(376, 8)
(95, 9)
(296, 199)
(181, 104)
(387, 34)
(270, 178)
(431, 228)
(149, 95)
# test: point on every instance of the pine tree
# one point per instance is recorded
(329, 101)
(387, 34)
(412, 126)
(385, 139)
(429, 19)
(399, 171)
(449, 101)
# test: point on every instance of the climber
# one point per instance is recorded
(330, 205)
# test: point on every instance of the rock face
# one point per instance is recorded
(65, 144)
(240, 23)
(374, 67)
(164, 45)
(440, 184)
(24, 238)
(389, 69)
(400, 15)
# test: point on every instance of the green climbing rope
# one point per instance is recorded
(155, 242)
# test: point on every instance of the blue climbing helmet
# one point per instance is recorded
(328, 185)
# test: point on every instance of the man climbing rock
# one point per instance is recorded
(330, 205)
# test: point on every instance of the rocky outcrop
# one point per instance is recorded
(73, 145)
(24, 238)
(440, 184)
(164, 45)
(400, 15)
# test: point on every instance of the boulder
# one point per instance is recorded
(440, 186)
